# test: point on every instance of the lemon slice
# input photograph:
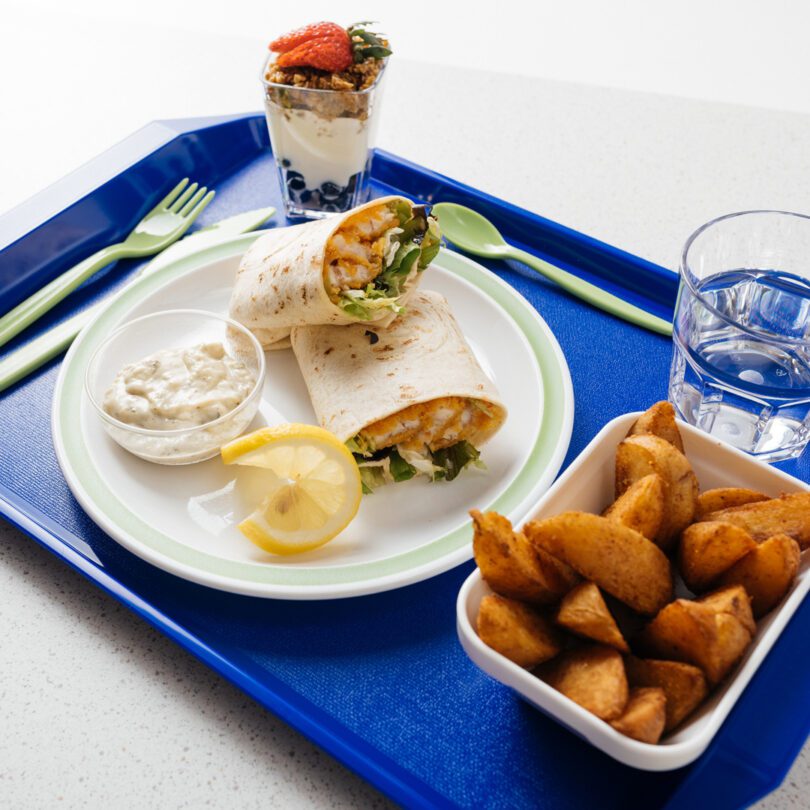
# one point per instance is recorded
(313, 486)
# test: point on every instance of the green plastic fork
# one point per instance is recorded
(162, 226)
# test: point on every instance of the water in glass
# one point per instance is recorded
(741, 362)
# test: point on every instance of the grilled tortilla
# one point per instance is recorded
(407, 400)
(360, 266)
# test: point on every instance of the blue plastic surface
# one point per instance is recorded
(380, 681)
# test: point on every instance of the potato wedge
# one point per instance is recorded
(516, 631)
(591, 676)
(513, 567)
(583, 611)
(766, 573)
(641, 455)
(645, 715)
(733, 599)
(684, 685)
(708, 549)
(713, 500)
(659, 420)
(641, 506)
(697, 634)
(788, 514)
(618, 559)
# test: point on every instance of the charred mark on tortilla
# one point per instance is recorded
(373, 337)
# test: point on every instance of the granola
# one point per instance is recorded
(359, 76)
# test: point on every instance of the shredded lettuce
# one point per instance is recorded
(421, 461)
(380, 468)
(452, 460)
(400, 469)
(360, 446)
(371, 477)
(402, 209)
(395, 464)
(394, 277)
(364, 304)
(431, 243)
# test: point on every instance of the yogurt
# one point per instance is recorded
(322, 151)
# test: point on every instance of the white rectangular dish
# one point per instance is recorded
(587, 485)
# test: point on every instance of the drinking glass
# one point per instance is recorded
(322, 141)
(741, 358)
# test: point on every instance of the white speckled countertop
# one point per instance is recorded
(100, 710)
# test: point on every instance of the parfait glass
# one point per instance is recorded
(741, 358)
(323, 143)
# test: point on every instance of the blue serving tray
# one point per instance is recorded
(379, 681)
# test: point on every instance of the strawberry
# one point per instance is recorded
(330, 54)
(319, 30)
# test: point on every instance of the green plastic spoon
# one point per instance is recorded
(475, 234)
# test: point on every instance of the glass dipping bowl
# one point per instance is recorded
(175, 328)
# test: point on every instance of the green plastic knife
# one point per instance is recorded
(48, 345)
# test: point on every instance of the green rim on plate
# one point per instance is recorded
(549, 447)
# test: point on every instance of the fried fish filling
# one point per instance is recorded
(356, 253)
(436, 424)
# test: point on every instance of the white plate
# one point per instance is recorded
(587, 485)
(183, 519)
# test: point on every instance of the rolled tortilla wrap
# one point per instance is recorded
(411, 393)
(360, 266)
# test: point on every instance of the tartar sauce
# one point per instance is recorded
(179, 388)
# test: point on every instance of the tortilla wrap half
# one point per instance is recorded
(311, 274)
(415, 387)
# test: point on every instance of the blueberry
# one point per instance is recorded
(285, 163)
(330, 191)
(328, 197)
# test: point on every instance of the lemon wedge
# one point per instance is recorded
(313, 489)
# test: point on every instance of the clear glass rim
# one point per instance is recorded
(317, 90)
(687, 277)
(257, 385)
